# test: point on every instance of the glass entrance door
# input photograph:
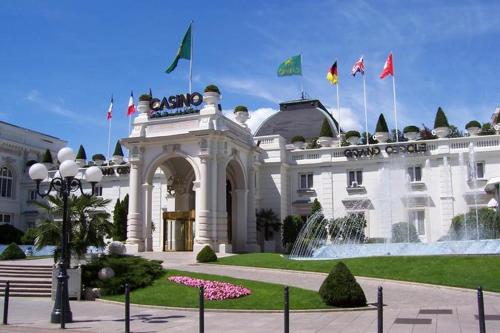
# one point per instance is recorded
(178, 230)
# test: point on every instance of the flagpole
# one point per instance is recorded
(109, 137)
(301, 78)
(191, 60)
(394, 96)
(366, 113)
(338, 108)
(129, 125)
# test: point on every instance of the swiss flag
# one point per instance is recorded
(388, 68)
(131, 106)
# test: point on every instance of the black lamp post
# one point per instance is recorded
(64, 183)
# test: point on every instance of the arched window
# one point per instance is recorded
(6, 182)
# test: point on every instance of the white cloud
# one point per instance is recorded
(348, 119)
(256, 116)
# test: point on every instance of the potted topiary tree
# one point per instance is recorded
(211, 94)
(352, 137)
(381, 130)
(441, 126)
(496, 123)
(98, 159)
(325, 135)
(473, 127)
(81, 157)
(299, 141)
(411, 132)
(241, 113)
(47, 159)
(118, 153)
(144, 103)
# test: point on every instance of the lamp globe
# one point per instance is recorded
(68, 168)
(65, 154)
(38, 171)
(93, 174)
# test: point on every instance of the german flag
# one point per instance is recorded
(332, 75)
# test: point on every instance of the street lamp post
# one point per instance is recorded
(64, 182)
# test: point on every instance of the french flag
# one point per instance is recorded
(131, 106)
(110, 110)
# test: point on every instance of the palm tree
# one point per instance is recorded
(88, 222)
(267, 223)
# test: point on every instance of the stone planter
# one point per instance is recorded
(325, 141)
(473, 131)
(497, 128)
(381, 137)
(211, 98)
(412, 136)
(143, 106)
(241, 116)
(299, 144)
(353, 140)
(117, 159)
(81, 163)
(98, 162)
(441, 132)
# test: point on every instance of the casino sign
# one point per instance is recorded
(175, 105)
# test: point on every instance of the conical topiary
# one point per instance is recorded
(441, 120)
(381, 125)
(47, 157)
(326, 130)
(12, 252)
(206, 255)
(341, 289)
(118, 149)
(81, 155)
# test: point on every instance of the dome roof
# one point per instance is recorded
(301, 117)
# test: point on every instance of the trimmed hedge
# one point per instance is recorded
(326, 130)
(212, 88)
(99, 157)
(12, 252)
(240, 108)
(206, 255)
(118, 149)
(47, 157)
(10, 234)
(136, 271)
(411, 128)
(145, 98)
(81, 155)
(351, 134)
(341, 289)
(381, 125)
(473, 123)
(441, 120)
(298, 138)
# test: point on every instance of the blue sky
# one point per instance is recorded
(61, 60)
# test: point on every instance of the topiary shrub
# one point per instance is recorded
(136, 271)
(47, 157)
(12, 252)
(118, 149)
(212, 88)
(441, 120)
(145, 98)
(473, 123)
(240, 108)
(341, 289)
(401, 233)
(351, 134)
(81, 155)
(98, 157)
(10, 234)
(298, 138)
(206, 255)
(410, 129)
(487, 129)
(292, 224)
(326, 130)
(381, 125)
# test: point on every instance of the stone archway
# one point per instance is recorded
(237, 212)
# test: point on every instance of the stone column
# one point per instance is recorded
(221, 214)
(135, 237)
(251, 227)
(203, 212)
(148, 196)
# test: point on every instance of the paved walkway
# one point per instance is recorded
(410, 308)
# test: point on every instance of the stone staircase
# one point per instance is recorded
(26, 280)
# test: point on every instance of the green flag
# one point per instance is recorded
(291, 66)
(184, 51)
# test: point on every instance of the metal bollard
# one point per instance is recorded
(6, 302)
(480, 308)
(127, 308)
(202, 309)
(286, 309)
(380, 310)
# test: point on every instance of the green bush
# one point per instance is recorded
(30, 236)
(206, 255)
(10, 234)
(212, 88)
(487, 129)
(81, 155)
(120, 212)
(12, 252)
(292, 224)
(473, 123)
(118, 149)
(240, 108)
(401, 233)
(47, 157)
(381, 124)
(341, 289)
(441, 120)
(411, 128)
(145, 98)
(497, 119)
(354, 232)
(488, 225)
(136, 271)
(326, 130)
(351, 134)
(99, 157)
(298, 138)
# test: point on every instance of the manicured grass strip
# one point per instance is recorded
(456, 271)
(265, 296)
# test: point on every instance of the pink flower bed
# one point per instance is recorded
(214, 290)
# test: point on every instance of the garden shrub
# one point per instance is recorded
(12, 252)
(487, 129)
(341, 289)
(206, 255)
(81, 155)
(400, 233)
(326, 130)
(488, 225)
(381, 124)
(30, 236)
(292, 225)
(298, 138)
(441, 120)
(47, 157)
(136, 271)
(212, 88)
(411, 128)
(349, 228)
(473, 123)
(350, 134)
(240, 108)
(145, 98)
(118, 149)
(10, 234)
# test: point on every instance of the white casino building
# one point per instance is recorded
(197, 177)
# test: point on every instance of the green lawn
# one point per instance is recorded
(457, 271)
(265, 296)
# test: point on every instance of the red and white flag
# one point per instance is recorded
(110, 110)
(131, 106)
(388, 67)
(359, 66)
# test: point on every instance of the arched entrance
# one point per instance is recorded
(236, 205)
